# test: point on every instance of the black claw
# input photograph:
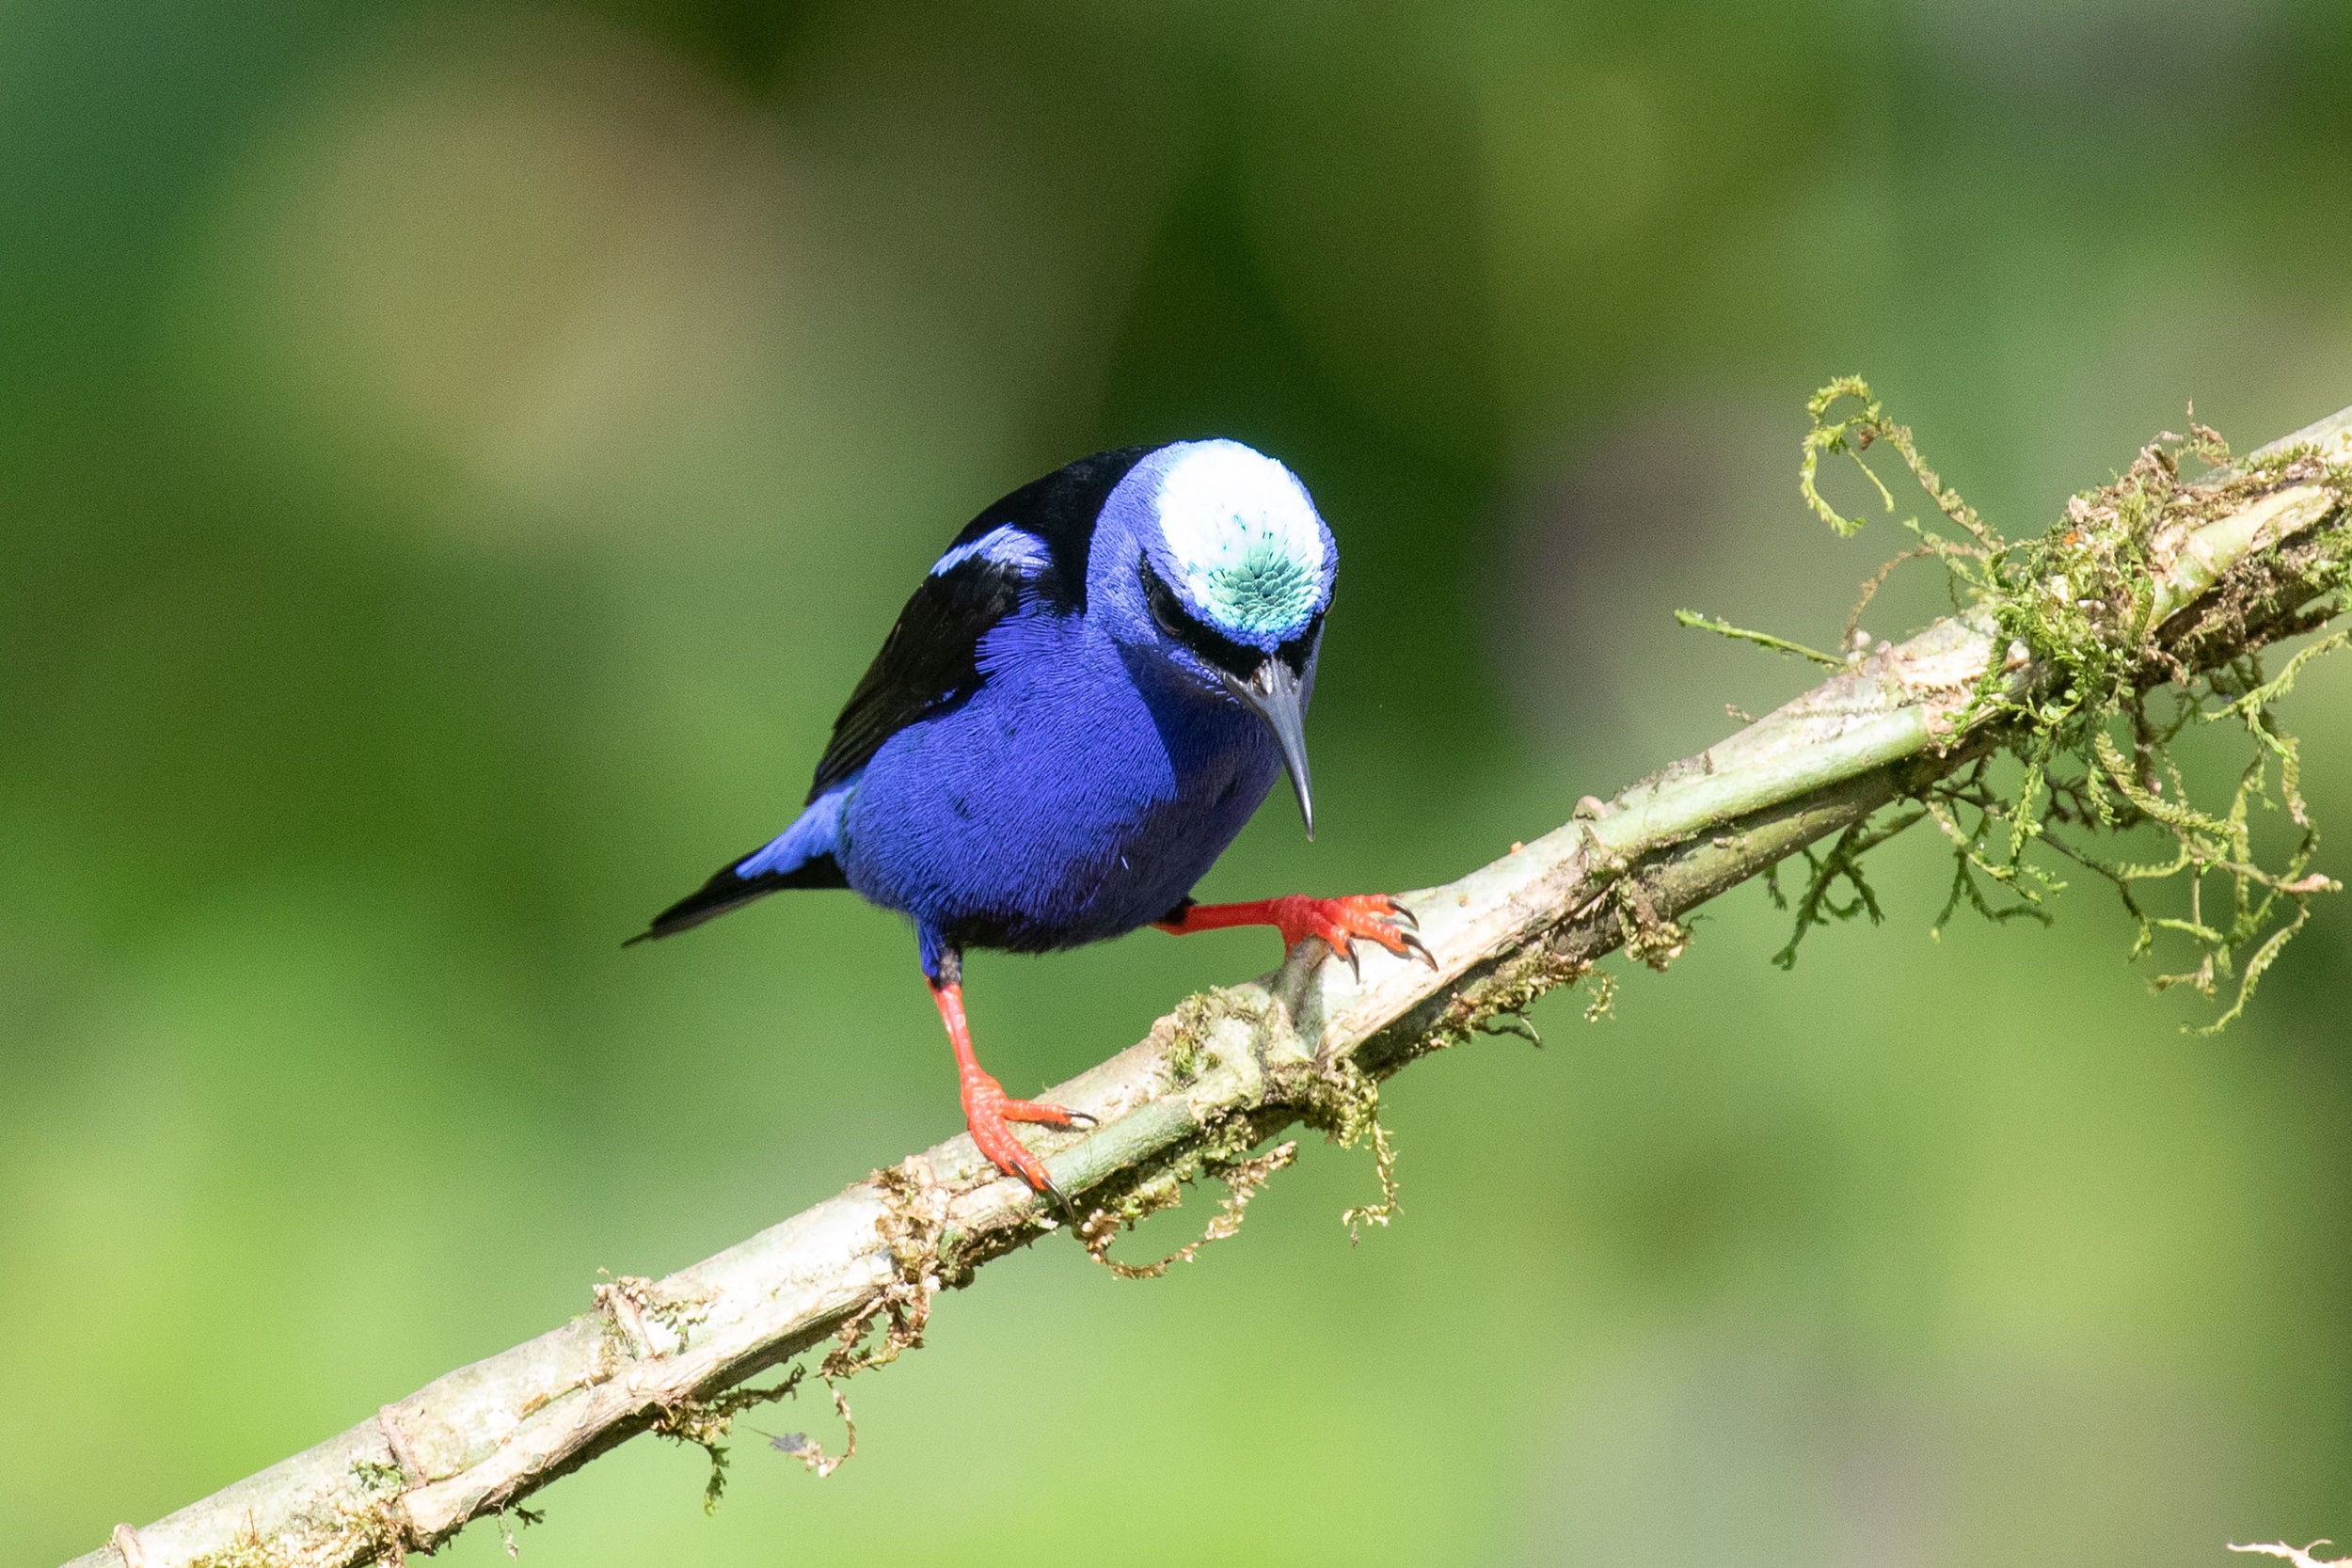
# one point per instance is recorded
(1082, 1115)
(1421, 949)
(1403, 916)
(1070, 1210)
(1355, 965)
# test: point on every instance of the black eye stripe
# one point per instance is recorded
(1222, 652)
(1168, 610)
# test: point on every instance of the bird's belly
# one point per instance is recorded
(1040, 824)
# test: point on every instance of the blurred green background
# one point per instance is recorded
(454, 460)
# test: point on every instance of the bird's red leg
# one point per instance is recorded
(987, 1110)
(1337, 921)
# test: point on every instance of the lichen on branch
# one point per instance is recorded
(2095, 622)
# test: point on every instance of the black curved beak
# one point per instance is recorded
(1273, 693)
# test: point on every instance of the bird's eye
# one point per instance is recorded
(1295, 652)
(1169, 612)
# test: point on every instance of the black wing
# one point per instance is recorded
(930, 662)
(930, 659)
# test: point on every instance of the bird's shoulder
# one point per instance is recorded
(1052, 522)
(1026, 553)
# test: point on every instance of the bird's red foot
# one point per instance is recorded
(989, 1112)
(1337, 921)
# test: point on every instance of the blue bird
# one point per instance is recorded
(1090, 694)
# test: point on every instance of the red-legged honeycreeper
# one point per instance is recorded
(1089, 694)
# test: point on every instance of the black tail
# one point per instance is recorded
(728, 891)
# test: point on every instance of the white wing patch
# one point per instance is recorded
(1005, 544)
(1243, 535)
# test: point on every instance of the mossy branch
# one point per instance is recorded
(2149, 583)
(1762, 639)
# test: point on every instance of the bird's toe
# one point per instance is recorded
(994, 1135)
(1043, 1112)
(1375, 916)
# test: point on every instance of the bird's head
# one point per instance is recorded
(1223, 568)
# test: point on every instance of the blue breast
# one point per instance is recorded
(1077, 794)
